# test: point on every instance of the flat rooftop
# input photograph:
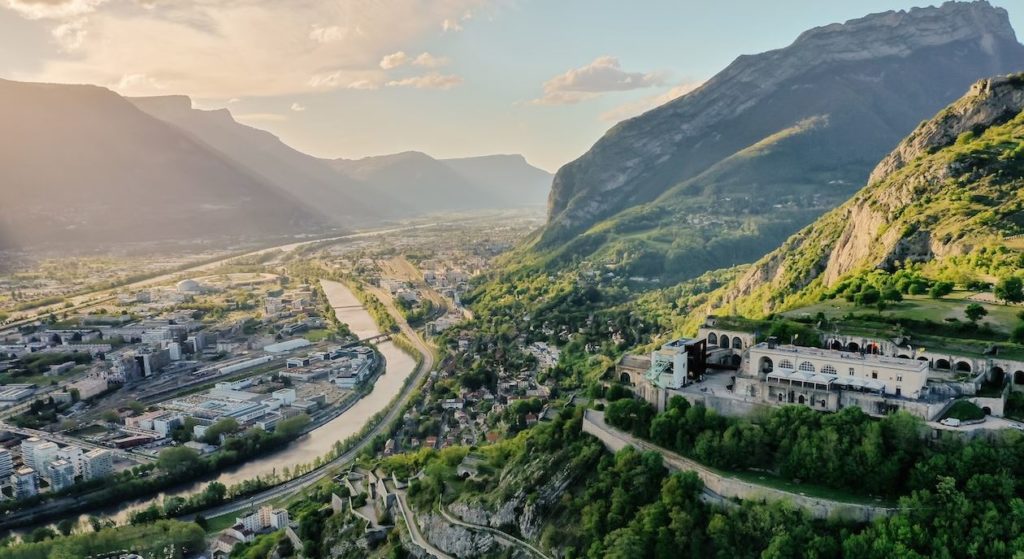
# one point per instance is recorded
(794, 352)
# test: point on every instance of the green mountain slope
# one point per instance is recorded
(725, 173)
(947, 200)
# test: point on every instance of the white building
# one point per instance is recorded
(6, 463)
(264, 518)
(37, 453)
(98, 464)
(286, 395)
(75, 455)
(25, 483)
(61, 474)
(785, 365)
(89, 387)
(671, 364)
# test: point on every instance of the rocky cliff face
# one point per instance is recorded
(991, 101)
(948, 188)
(872, 78)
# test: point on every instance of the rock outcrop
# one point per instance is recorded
(948, 188)
(990, 101)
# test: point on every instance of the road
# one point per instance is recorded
(498, 534)
(414, 529)
(306, 480)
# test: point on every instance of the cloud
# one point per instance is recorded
(427, 60)
(327, 34)
(394, 60)
(424, 59)
(70, 35)
(52, 9)
(428, 81)
(363, 84)
(297, 107)
(640, 106)
(451, 25)
(602, 75)
(216, 49)
(131, 84)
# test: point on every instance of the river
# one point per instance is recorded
(400, 366)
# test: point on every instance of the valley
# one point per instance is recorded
(777, 313)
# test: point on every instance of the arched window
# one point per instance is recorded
(963, 367)
(786, 364)
(829, 370)
(766, 365)
(737, 343)
(801, 399)
(712, 339)
(724, 341)
(807, 366)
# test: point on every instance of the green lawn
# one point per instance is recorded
(318, 335)
(218, 523)
(771, 480)
(870, 323)
(918, 307)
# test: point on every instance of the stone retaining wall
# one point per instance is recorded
(730, 487)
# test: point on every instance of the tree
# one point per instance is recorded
(66, 526)
(868, 297)
(177, 459)
(975, 312)
(1018, 334)
(1010, 289)
(225, 426)
(940, 289)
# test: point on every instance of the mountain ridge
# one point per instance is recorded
(920, 61)
(945, 195)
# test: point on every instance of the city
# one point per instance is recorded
(478, 279)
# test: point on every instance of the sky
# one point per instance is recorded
(452, 78)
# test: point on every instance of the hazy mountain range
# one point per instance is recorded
(722, 175)
(82, 164)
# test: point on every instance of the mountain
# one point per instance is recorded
(306, 178)
(81, 164)
(365, 190)
(509, 179)
(417, 183)
(723, 174)
(946, 200)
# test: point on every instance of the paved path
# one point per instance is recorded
(414, 529)
(503, 536)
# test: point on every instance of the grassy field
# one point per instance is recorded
(318, 335)
(930, 323)
(768, 479)
(1001, 317)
